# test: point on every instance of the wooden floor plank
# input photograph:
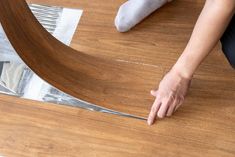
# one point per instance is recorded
(30, 128)
(203, 126)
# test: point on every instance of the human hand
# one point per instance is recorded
(169, 96)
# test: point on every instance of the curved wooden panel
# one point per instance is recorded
(106, 83)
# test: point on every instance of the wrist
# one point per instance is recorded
(186, 65)
(182, 71)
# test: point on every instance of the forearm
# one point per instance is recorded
(210, 26)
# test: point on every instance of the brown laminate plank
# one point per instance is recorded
(29, 128)
(139, 57)
(111, 84)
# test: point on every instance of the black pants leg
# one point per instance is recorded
(228, 42)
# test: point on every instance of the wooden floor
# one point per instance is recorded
(34, 129)
(203, 126)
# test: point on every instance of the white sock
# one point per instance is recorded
(133, 12)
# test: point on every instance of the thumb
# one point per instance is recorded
(154, 93)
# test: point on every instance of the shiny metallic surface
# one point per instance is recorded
(47, 16)
(18, 80)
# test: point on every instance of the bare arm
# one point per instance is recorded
(210, 26)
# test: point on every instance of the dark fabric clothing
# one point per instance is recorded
(228, 42)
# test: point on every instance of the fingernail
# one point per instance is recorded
(149, 122)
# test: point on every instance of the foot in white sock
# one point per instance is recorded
(134, 11)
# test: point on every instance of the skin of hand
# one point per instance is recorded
(210, 26)
(169, 96)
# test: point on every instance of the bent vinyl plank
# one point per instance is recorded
(107, 83)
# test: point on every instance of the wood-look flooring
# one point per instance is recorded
(203, 126)
(33, 129)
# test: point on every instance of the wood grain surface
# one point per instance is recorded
(156, 42)
(104, 82)
(117, 70)
(32, 129)
(203, 126)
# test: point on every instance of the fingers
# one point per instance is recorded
(172, 107)
(181, 100)
(166, 103)
(176, 104)
(153, 112)
(163, 106)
